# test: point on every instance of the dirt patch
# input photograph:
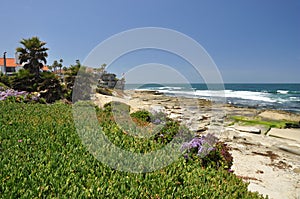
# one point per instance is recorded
(269, 154)
(280, 165)
(248, 143)
(259, 171)
(248, 178)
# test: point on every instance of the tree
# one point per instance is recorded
(60, 65)
(102, 68)
(54, 65)
(65, 68)
(50, 67)
(33, 54)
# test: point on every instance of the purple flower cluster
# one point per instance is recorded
(202, 145)
(158, 118)
(12, 93)
(157, 121)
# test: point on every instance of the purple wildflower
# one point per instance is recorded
(20, 140)
(196, 142)
(186, 156)
(184, 147)
(157, 121)
(203, 145)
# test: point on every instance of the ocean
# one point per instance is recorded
(264, 96)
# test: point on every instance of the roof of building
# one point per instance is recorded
(45, 68)
(10, 62)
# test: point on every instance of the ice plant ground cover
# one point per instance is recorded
(41, 156)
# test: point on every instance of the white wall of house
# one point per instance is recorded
(2, 70)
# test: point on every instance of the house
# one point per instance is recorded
(11, 66)
(110, 80)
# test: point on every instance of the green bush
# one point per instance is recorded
(25, 81)
(142, 115)
(116, 107)
(47, 84)
(3, 87)
(50, 87)
(42, 156)
(5, 80)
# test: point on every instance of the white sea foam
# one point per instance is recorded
(281, 99)
(169, 88)
(295, 99)
(246, 95)
(282, 91)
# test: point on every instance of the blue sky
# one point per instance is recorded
(250, 41)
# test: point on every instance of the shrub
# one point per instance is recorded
(142, 115)
(209, 151)
(167, 133)
(25, 81)
(5, 80)
(50, 87)
(47, 84)
(3, 87)
(116, 107)
(159, 118)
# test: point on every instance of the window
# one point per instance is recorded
(10, 69)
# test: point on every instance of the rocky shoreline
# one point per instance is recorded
(267, 158)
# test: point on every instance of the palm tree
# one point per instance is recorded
(55, 65)
(60, 65)
(33, 54)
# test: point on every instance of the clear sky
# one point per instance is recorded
(250, 41)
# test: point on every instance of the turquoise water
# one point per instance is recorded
(269, 96)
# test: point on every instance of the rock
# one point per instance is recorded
(166, 100)
(263, 129)
(200, 118)
(292, 125)
(292, 134)
(157, 109)
(203, 127)
(175, 116)
(279, 115)
(205, 116)
(292, 149)
(195, 127)
(248, 129)
(296, 170)
(176, 107)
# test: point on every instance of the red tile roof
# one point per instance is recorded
(45, 68)
(10, 62)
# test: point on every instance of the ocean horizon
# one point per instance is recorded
(277, 96)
